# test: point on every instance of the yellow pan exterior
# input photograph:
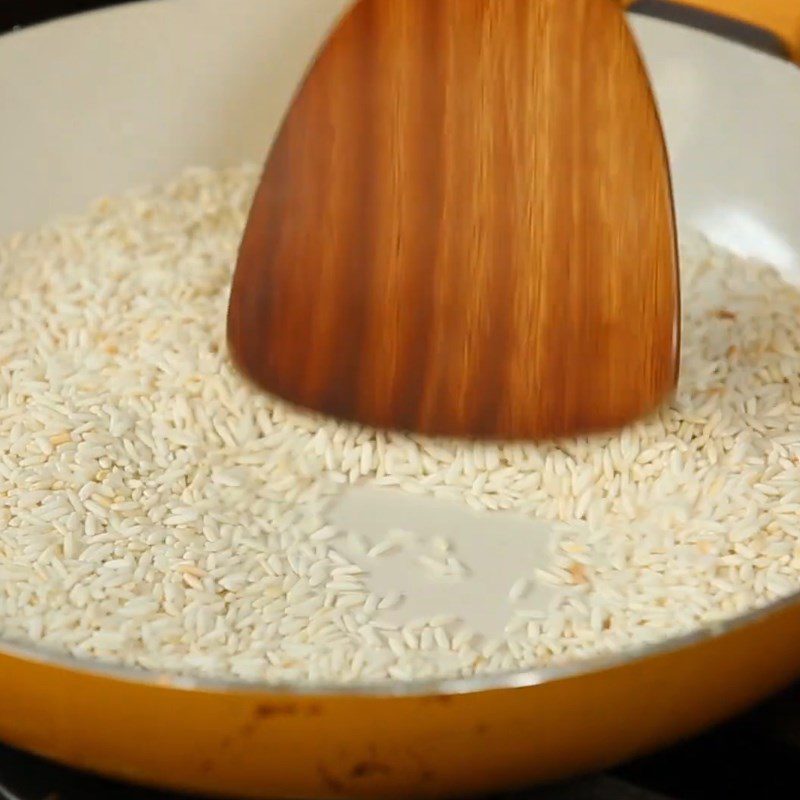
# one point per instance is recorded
(263, 744)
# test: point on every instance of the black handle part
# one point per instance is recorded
(734, 30)
(21, 13)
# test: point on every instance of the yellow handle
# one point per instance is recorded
(779, 17)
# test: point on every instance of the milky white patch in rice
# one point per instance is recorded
(156, 511)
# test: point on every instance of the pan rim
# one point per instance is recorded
(394, 689)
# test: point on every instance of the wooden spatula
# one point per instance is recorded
(465, 225)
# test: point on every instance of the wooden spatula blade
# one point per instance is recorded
(465, 225)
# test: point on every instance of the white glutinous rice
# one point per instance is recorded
(156, 511)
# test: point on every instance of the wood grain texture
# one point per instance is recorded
(465, 225)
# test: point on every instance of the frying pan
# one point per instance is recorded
(97, 103)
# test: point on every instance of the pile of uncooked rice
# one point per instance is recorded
(156, 511)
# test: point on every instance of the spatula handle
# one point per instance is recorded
(779, 17)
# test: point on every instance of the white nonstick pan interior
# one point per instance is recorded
(100, 103)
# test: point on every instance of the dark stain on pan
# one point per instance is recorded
(481, 729)
(330, 781)
(206, 766)
(366, 769)
(440, 699)
(266, 710)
